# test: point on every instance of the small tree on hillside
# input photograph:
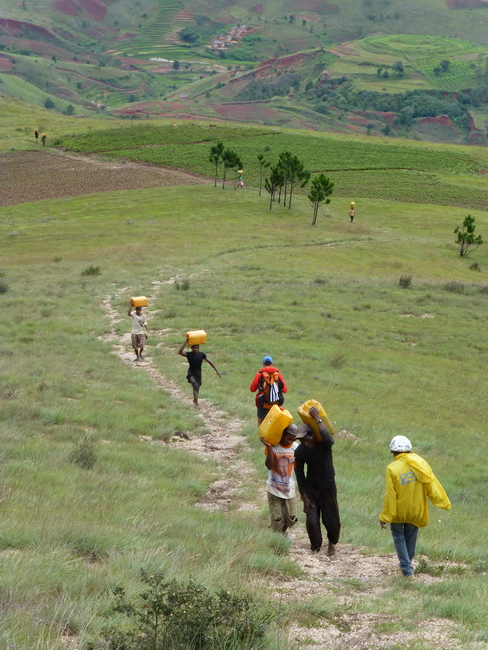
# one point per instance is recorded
(274, 183)
(297, 176)
(321, 188)
(263, 164)
(216, 157)
(230, 160)
(467, 240)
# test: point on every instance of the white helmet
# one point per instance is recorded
(400, 443)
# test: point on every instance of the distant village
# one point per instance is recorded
(233, 36)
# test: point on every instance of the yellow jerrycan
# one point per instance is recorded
(196, 337)
(271, 428)
(139, 301)
(303, 412)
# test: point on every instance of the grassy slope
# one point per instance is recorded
(364, 166)
(324, 302)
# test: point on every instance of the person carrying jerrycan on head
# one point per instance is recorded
(280, 485)
(409, 481)
(270, 386)
(195, 359)
(139, 331)
(318, 488)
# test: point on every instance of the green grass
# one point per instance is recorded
(324, 302)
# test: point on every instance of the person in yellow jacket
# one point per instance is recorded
(409, 481)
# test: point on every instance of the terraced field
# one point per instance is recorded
(152, 42)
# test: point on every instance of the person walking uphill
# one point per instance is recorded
(280, 486)
(139, 331)
(318, 488)
(195, 359)
(270, 386)
(409, 481)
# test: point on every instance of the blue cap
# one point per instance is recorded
(267, 359)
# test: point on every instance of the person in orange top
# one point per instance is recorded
(258, 384)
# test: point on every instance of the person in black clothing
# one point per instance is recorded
(318, 489)
(194, 374)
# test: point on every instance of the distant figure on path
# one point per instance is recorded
(351, 214)
(36, 135)
(280, 486)
(409, 481)
(43, 139)
(194, 374)
(139, 331)
(270, 386)
(318, 488)
(240, 182)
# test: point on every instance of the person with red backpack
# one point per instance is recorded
(270, 386)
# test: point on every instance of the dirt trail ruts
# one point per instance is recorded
(355, 628)
(223, 444)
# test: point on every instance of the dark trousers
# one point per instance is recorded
(325, 507)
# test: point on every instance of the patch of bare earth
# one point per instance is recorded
(46, 174)
(352, 578)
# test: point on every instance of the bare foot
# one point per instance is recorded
(331, 549)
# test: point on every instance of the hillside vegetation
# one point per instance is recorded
(369, 67)
(403, 172)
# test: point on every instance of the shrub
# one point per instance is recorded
(3, 287)
(405, 281)
(84, 453)
(475, 267)
(91, 270)
(182, 285)
(174, 616)
(454, 287)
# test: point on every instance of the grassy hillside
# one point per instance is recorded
(326, 303)
(401, 171)
(130, 58)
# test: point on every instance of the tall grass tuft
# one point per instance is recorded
(84, 453)
(182, 285)
(454, 287)
(405, 281)
(91, 270)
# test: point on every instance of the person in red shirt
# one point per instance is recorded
(261, 385)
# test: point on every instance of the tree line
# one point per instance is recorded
(280, 180)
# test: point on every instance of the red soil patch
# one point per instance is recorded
(465, 4)
(258, 9)
(94, 8)
(33, 175)
(5, 64)
(440, 119)
(246, 112)
(42, 48)
(67, 7)
(183, 15)
(319, 5)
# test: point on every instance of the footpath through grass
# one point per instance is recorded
(324, 302)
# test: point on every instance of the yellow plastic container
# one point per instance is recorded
(303, 412)
(273, 425)
(196, 337)
(352, 205)
(139, 301)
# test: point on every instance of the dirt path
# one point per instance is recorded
(352, 578)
